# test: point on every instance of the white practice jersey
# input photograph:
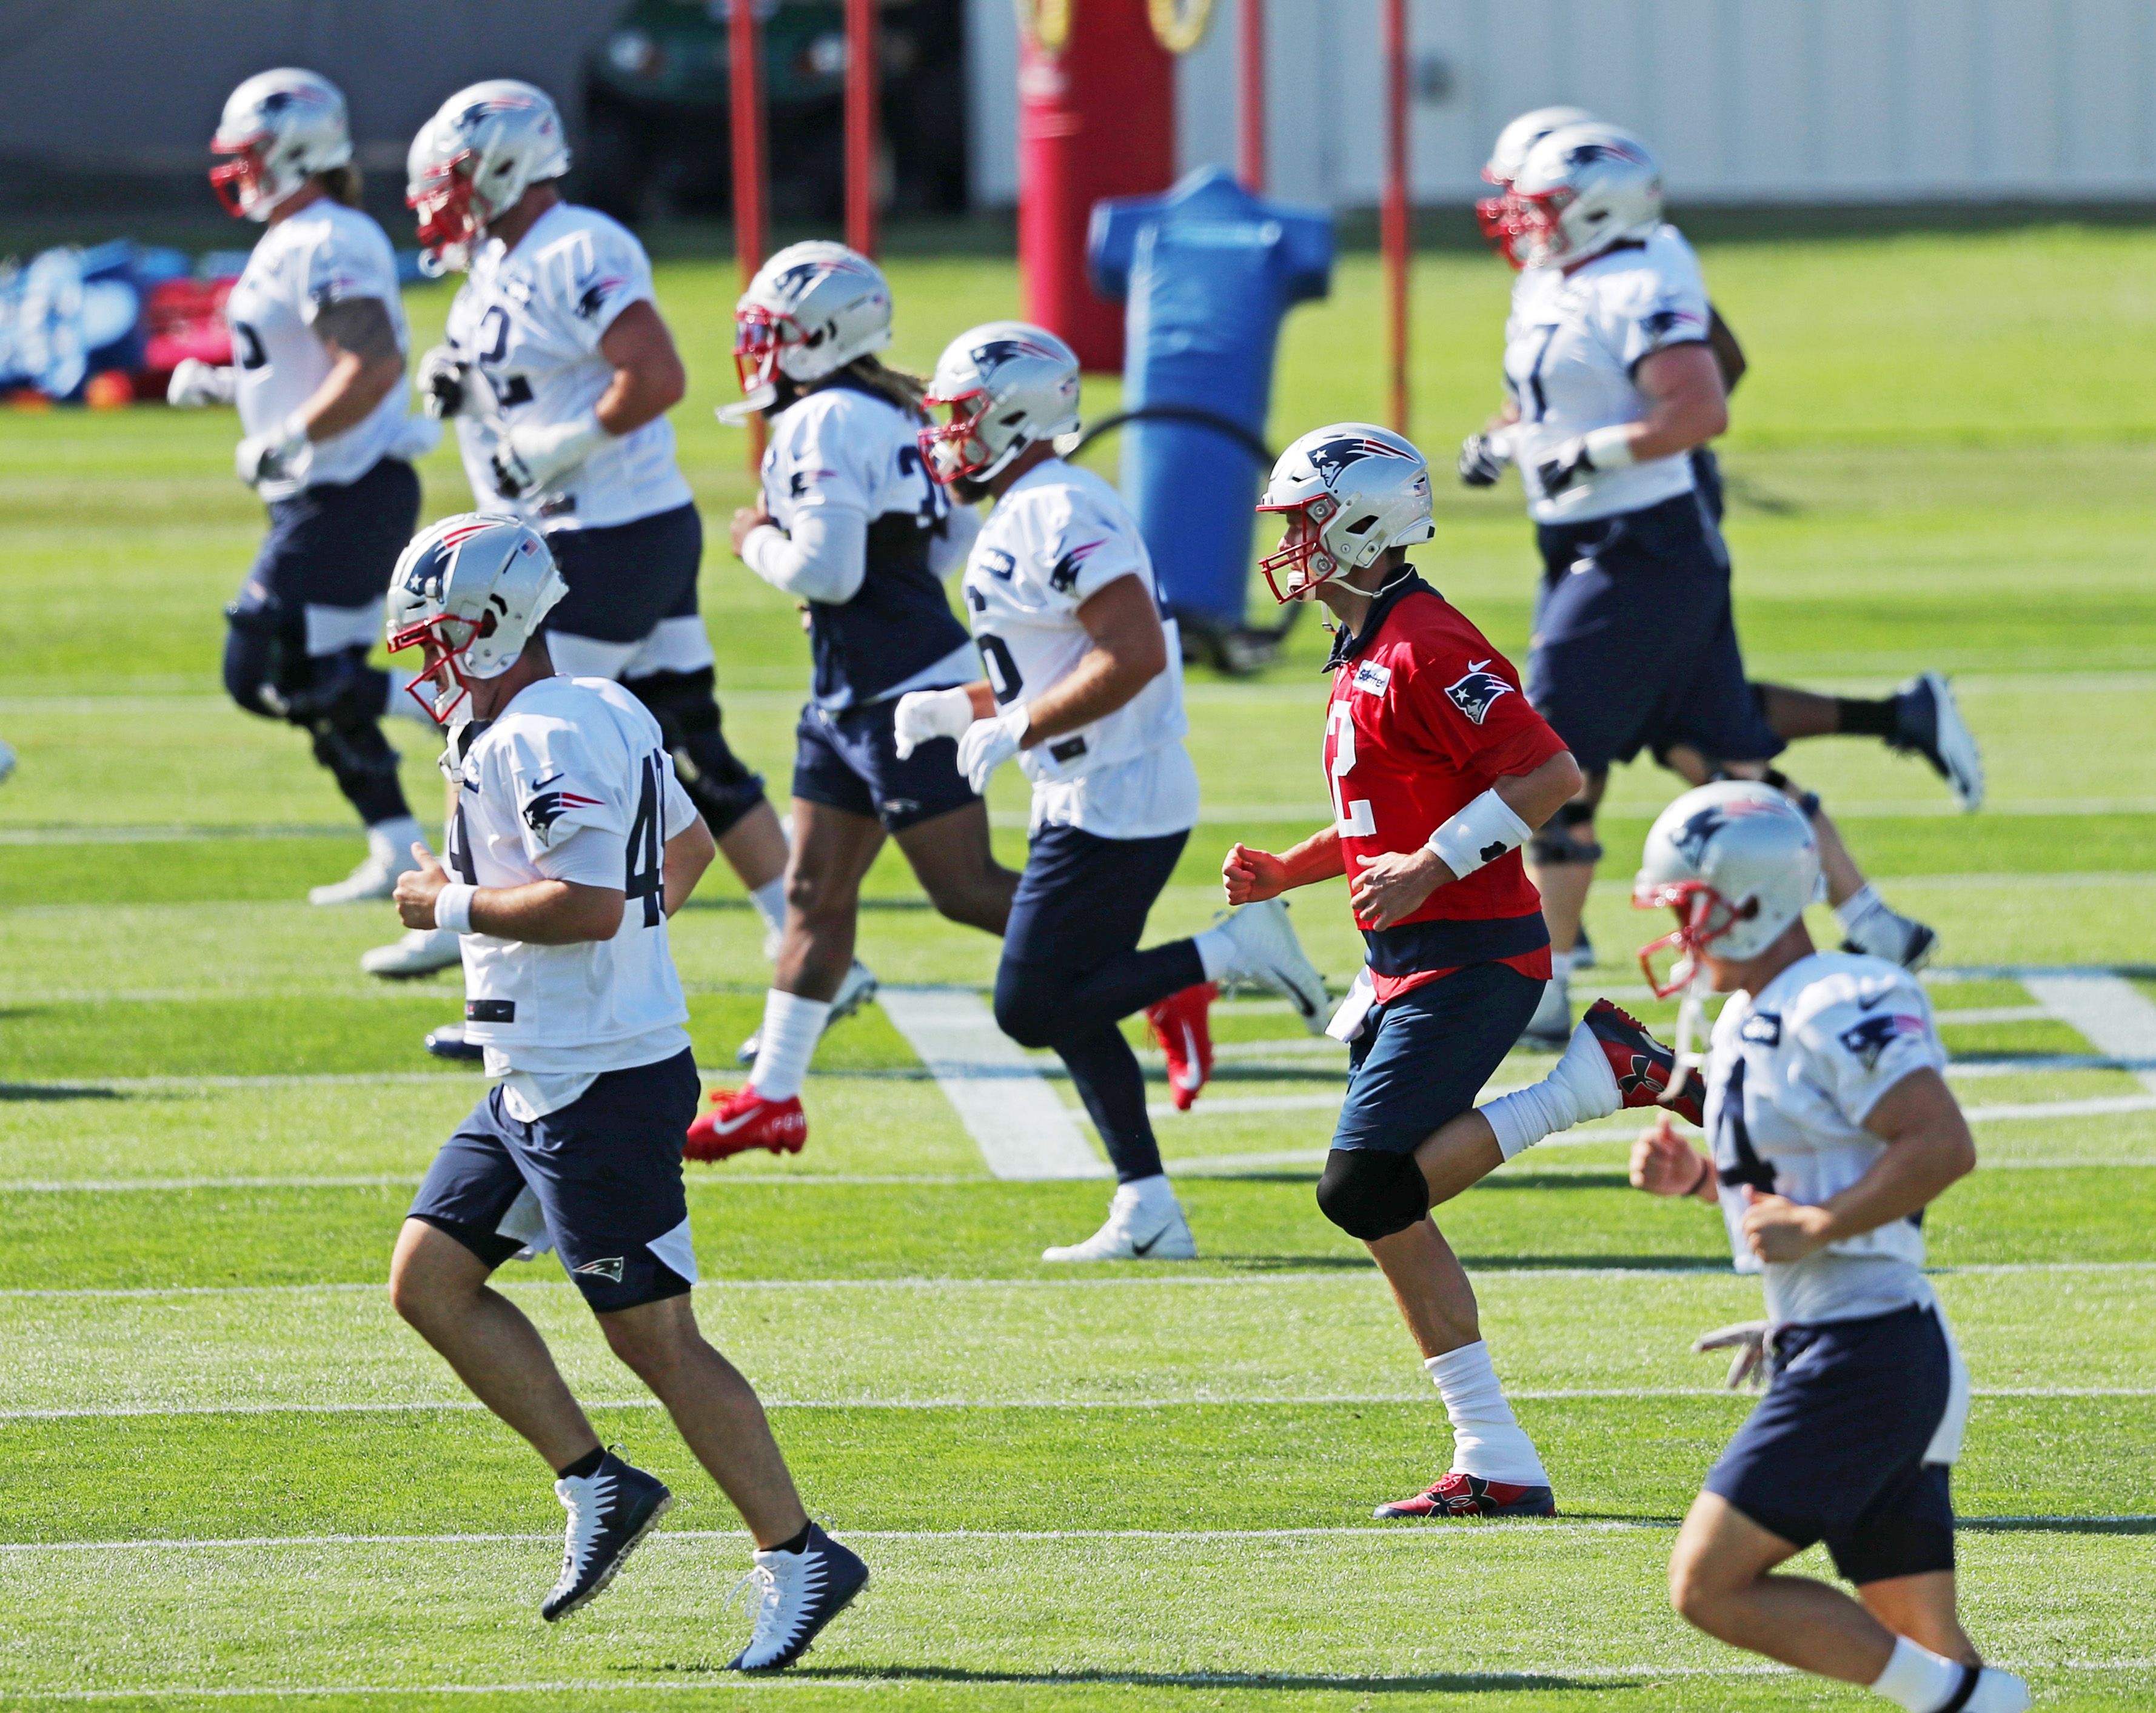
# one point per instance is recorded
(324, 253)
(1795, 1072)
(1573, 345)
(1058, 536)
(571, 782)
(530, 320)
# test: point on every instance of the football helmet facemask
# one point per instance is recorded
(1506, 156)
(279, 129)
(1006, 385)
(810, 310)
(1348, 491)
(473, 160)
(471, 591)
(1738, 862)
(1581, 189)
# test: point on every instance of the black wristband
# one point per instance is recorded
(1706, 1165)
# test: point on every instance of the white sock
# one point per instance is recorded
(1581, 1086)
(1487, 1439)
(1216, 952)
(792, 1026)
(1152, 1196)
(1917, 1678)
(392, 840)
(770, 902)
(1853, 910)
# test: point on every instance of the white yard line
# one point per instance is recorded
(1019, 1121)
(2116, 1015)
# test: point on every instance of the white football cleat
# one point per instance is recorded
(418, 951)
(374, 879)
(795, 1595)
(1264, 952)
(856, 991)
(1928, 724)
(1140, 1227)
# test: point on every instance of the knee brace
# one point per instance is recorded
(1369, 1195)
(1560, 841)
(718, 782)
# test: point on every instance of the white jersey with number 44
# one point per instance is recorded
(530, 321)
(1057, 537)
(571, 782)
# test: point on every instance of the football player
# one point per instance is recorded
(850, 523)
(318, 343)
(1612, 382)
(1832, 1129)
(558, 371)
(573, 844)
(1439, 769)
(1085, 690)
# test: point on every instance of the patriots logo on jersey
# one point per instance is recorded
(1064, 577)
(547, 807)
(1328, 458)
(1867, 1040)
(1666, 321)
(797, 484)
(597, 293)
(1474, 692)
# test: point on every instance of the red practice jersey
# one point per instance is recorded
(1425, 717)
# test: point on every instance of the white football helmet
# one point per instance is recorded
(1507, 155)
(810, 310)
(1348, 491)
(474, 159)
(471, 591)
(1007, 384)
(1581, 189)
(280, 128)
(1738, 862)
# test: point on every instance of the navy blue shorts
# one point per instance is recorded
(1835, 1451)
(1083, 899)
(1634, 643)
(333, 545)
(1707, 480)
(606, 1171)
(1423, 1058)
(624, 578)
(848, 760)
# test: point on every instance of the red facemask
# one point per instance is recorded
(444, 649)
(1301, 551)
(758, 334)
(238, 181)
(954, 450)
(1703, 916)
(444, 207)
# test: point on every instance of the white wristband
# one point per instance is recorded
(1480, 834)
(1609, 448)
(453, 906)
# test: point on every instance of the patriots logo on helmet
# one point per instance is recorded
(1476, 690)
(1700, 827)
(1582, 154)
(1328, 458)
(1064, 577)
(995, 351)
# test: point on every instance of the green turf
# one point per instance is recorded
(1931, 465)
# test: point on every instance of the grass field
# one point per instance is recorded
(235, 1480)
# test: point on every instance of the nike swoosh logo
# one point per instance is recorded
(726, 1127)
(1146, 1247)
(542, 784)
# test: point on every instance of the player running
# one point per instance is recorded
(1832, 1129)
(319, 341)
(572, 843)
(1439, 769)
(1612, 380)
(558, 371)
(1084, 690)
(849, 522)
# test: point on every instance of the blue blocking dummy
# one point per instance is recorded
(1207, 271)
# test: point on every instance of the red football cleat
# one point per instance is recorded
(1641, 1064)
(741, 1119)
(1181, 1024)
(1458, 1495)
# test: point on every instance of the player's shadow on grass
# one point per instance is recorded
(1427, 1682)
(2057, 1525)
(44, 1091)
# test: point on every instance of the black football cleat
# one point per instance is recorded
(610, 1512)
(1458, 1495)
(1641, 1064)
(797, 1594)
(449, 1042)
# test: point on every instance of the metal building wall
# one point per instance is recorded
(1820, 100)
